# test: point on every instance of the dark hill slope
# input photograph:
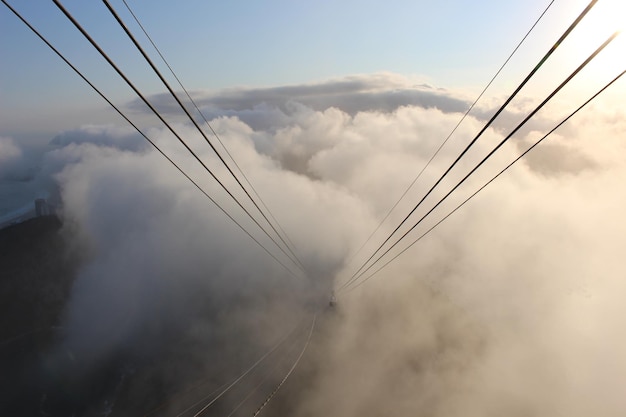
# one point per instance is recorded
(36, 273)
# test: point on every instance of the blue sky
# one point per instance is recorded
(215, 45)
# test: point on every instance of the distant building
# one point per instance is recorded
(41, 207)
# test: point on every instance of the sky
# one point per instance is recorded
(513, 306)
(455, 44)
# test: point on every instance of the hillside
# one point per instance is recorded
(37, 269)
(36, 272)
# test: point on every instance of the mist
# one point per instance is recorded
(510, 307)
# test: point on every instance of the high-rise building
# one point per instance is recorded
(41, 207)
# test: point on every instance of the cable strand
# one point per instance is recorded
(490, 181)
(494, 150)
(159, 116)
(193, 102)
(500, 110)
(193, 121)
(467, 112)
(82, 76)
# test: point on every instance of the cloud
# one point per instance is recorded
(11, 159)
(511, 307)
(125, 138)
(8, 150)
(167, 271)
(383, 92)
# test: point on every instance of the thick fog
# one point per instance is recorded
(513, 306)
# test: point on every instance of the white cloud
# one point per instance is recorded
(264, 108)
(511, 307)
(8, 150)
(10, 157)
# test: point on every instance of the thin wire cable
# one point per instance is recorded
(206, 380)
(517, 90)
(489, 182)
(193, 121)
(245, 373)
(434, 155)
(519, 126)
(80, 74)
(162, 405)
(269, 398)
(173, 94)
(13, 339)
(265, 378)
(130, 10)
(240, 377)
(151, 107)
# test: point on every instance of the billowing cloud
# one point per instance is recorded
(382, 92)
(511, 307)
(8, 150)
(110, 136)
(10, 158)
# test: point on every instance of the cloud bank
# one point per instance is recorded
(270, 107)
(11, 160)
(512, 307)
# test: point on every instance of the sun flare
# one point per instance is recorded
(605, 19)
(609, 16)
